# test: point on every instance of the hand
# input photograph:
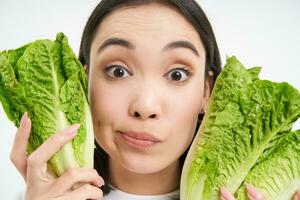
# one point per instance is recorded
(40, 183)
(252, 193)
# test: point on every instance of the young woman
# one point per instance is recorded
(151, 66)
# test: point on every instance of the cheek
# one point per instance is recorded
(187, 104)
(104, 103)
(183, 110)
(184, 116)
(106, 109)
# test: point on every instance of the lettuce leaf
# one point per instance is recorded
(244, 119)
(46, 79)
(277, 174)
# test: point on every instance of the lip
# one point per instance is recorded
(139, 139)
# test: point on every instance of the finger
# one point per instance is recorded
(297, 196)
(225, 194)
(80, 175)
(254, 194)
(18, 154)
(44, 152)
(86, 191)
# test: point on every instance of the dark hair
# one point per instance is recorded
(193, 13)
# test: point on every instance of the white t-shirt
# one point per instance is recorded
(116, 194)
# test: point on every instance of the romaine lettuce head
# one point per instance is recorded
(46, 79)
(245, 118)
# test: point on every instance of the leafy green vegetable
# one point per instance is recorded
(46, 79)
(242, 136)
(277, 174)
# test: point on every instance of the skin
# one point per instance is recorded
(168, 109)
(145, 100)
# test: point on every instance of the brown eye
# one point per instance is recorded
(178, 74)
(116, 71)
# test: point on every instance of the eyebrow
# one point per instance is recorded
(182, 44)
(116, 41)
(131, 46)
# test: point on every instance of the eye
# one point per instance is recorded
(117, 71)
(178, 74)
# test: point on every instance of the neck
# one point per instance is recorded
(162, 182)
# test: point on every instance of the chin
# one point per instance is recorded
(143, 164)
(143, 169)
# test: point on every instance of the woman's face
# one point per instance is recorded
(146, 86)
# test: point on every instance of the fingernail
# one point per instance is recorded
(24, 120)
(253, 192)
(72, 129)
(101, 183)
(225, 194)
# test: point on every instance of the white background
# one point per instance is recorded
(264, 33)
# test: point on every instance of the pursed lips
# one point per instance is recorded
(139, 139)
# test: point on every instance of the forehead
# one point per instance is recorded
(149, 23)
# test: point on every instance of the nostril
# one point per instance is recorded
(136, 114)
(153, 116)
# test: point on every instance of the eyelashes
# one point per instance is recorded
(179, 74)
(117, 71)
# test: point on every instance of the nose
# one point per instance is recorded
(145, 104)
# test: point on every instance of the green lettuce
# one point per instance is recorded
(277, 173)
(45, 79)
(244, 134)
